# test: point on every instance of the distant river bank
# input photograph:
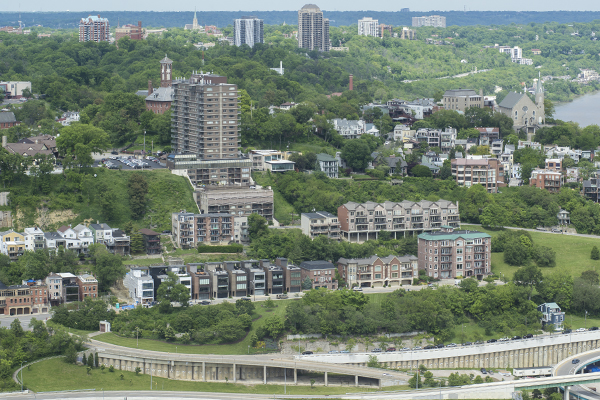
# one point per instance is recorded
(584, 110)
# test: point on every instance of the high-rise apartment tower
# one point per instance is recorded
(248, 30)
(93, 29)
(313, 29)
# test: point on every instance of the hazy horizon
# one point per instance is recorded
(271, 5)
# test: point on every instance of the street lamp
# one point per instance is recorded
(585, 320)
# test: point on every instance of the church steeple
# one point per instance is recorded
(195, 22)
(166, 68)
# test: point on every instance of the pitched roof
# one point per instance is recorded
(511, 100)
(63, 228)
(317, 265)
(325, 157)
(7, 117)
(28, 149)
(162, 94)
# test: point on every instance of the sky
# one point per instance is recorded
(277, 5)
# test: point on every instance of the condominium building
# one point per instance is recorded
(431, 20)
(88, 286)
(488, 172)
(239, 202)
(224, 172)
(205, 117)
(256, 277)
(260, 158)
(546, 179)
(591, 189)
(15, 299)
(383, 28)
(361, 222)
(274, 276)
(189, 229)
(368, 27)
(407, 33)
(453, 253)
(313, 29)
(219, 280)
(94, 29)
(461, 99)
(238, 278)
(379, 271)
(201, 282)
(292, 274)
(319, 223)
(248, 30)
(12, 244)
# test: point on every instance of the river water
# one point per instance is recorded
(583, 110)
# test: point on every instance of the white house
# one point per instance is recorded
(34, 239)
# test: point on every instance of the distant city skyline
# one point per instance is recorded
(268, 5)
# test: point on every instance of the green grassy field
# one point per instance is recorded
(572, 252)
(241, 347)
(54, 375)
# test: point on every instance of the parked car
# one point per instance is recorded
(492, 341)
(566, 331)
(429, 347)
(357, 289)
(439, 346)
(390, 349)
(576, 361)
(418, 348)
(334, 352)
(205, 302)
(593, 328)
(307, 353)
(479, 342)
(282, 296)
(467, 344)
(451, 345)
(344, 351)
(483, 371)
(114, 152)
(580, 330)
(406, 349)
(516, 338)
(504, 339)
(528, 336)
(377, 350)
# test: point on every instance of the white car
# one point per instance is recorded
(580, 330)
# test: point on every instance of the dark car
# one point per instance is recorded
(528, 336)
(166, 231)
(576, 361)
(467, 344)
(246, 299)
(479, 342)
(429, 347)
(307, 353)
(205, 302)
(376, 350)
(492, 341)
(439, 346)
(516, 338)
(114, 152)
(593, 328)
(566, 331)
(390, 349)
(483, 371)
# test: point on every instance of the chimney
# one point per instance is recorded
(150, 90)
(139, 24)
(351, 86)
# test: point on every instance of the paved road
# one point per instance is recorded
(149, 395)
(5, 321)
(548, 232)
(566, 367)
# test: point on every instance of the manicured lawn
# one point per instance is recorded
(55, 374)
(233, 348)
(572, 253)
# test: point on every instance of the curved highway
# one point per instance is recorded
(566, 367)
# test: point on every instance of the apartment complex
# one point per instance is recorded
(379, 271)
(189, 229)
(140, 284)
(319, 223)
(451, 254)
(368, 27)
(94, 29)
(248, 30)
(238, 201)
(133, 32)
(313, 29)
(361, 222)
(546, 179)
(591, 189)
(488, 172)
(205, 117)
(461, 99)
(431, 20)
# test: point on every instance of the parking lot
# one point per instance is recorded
(129, 162)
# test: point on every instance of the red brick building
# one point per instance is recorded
(15, 300)
(321, 274)
(133, 32)
(546, 179)
(88, 286)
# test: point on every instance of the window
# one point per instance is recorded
(378, 268)
(395, 267)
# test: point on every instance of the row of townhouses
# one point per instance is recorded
(77, 239)
(36, 296)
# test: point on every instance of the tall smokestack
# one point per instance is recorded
(150, 90)
(351, 86)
